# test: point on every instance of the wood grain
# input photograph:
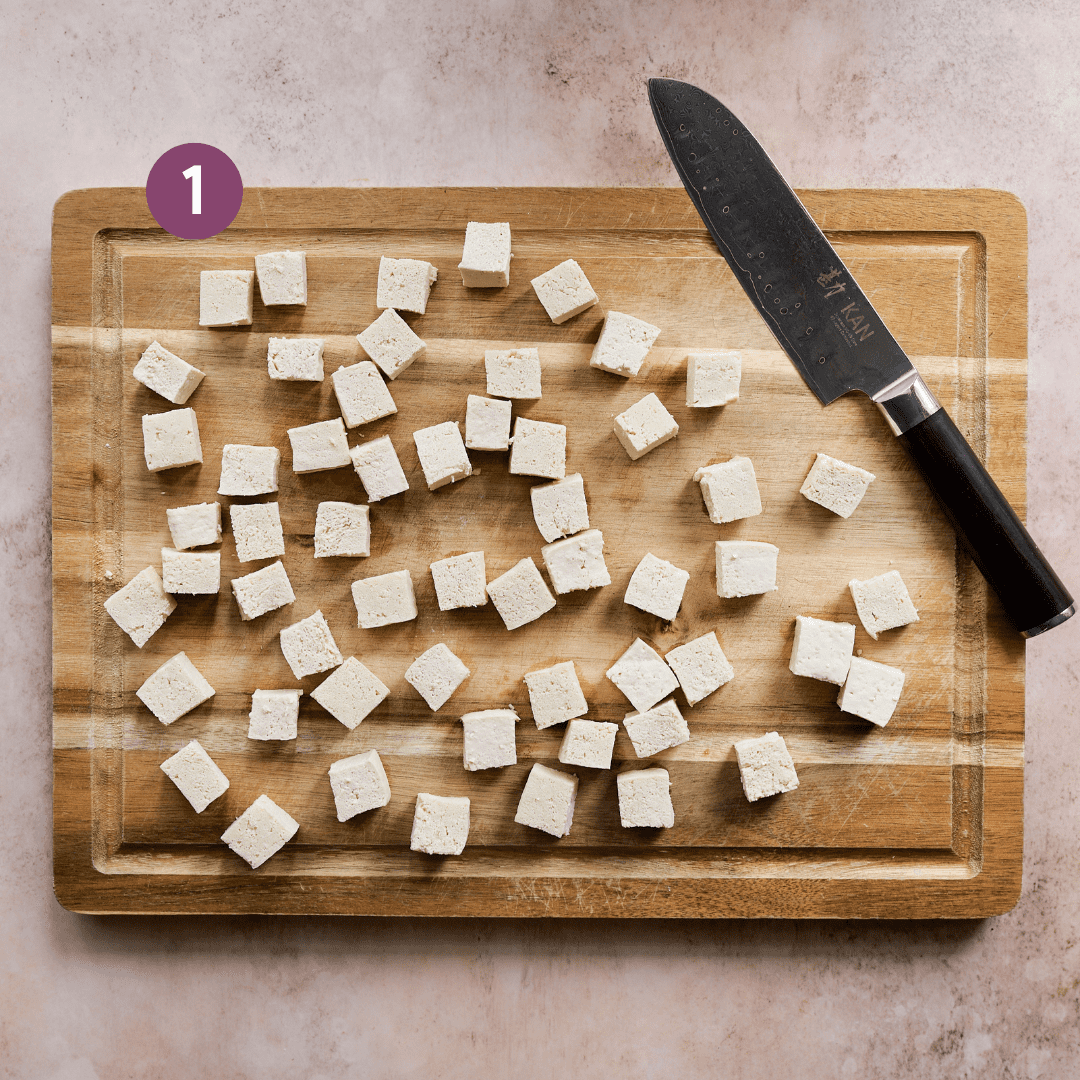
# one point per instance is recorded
(919, 819)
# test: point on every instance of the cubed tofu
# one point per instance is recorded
(555, 694)
(256, 528)
(249, 470)
(460, 581)
(513, 373)
(190, 573)
(822, 649)
(309, 647)
(226, 297)
(656, 729)
(730, 490)
(320, 446)
(342, 529)
(261, 831)
(263, 591)
(141, 607)
(442, 454)
(520, 595)
(490, 739)
(171, 440)
(577, 563)
(745, 568)
(588, 743)
(350, 693)
(547, 801)
(361, 394)
(391, 343)
(377, 465)
(196, 775)
(883, 603)
(657, 586)
(435, 675)
(538, 449)
(712, 379)
(564, 290)
(487, 423)
(836, 485)
(645, 799)
(405, 284)
(295, 359)
(440, 824)
(485, 259)
(195, 526)
(384, 599)
(359, 784)
(166, 374)
(174, 689)
(700, 666)
(274, 714)
(560, 509)
(645, 426)
(765, 766)
(871, 690)
(642, 676)
(282, 277)
(624, 343)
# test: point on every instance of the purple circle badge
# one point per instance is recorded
(194, 191)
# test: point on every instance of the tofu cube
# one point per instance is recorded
(274, 714)
(262, 830)
(295, 359)
(520, 595)
(190, 573)
(226, 297)
(657, 586)
(822, 649)
(442, 454)
(174, 689)
(560, 509)
(645, 799)
(700, 666)
(263, 591)
(141, 607)
(656, 729)
(538, 449)
(745, 568)
(350, 693)
(405, 284)
(645, 426)
(564, 290)
(193, 771)
(588, 743)
(249, 470)
(513, 373)
(440, 824)
(871, 690)
(171, 440)
(195, 526)
(765, 767)
(319, 447)
(555, 694)
(485, 260)
(377, 465)
(166, 374)
(712, 379)
(836, 485)
(460, 581)
(309, 647)
(342, 528)
(359, 784)
(547, 801)
(282, 277)
(730, 490)
(361, 394)
(490, 739)
(883, 603)
(487, 423)
(642, 676)
(384, 599)
(435, 675)
(256, 528)
(391, 343)
(577, 563)
(624, 343)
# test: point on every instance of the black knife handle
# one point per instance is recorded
(1033, 596)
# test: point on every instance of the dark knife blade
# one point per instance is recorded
(838, 342)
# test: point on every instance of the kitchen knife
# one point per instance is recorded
(824, 322)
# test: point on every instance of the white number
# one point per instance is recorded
(194, 174)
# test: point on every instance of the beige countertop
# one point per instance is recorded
(873, 94)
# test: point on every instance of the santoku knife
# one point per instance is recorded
(823, 321)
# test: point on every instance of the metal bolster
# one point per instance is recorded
(1057, 620)
(906, 402)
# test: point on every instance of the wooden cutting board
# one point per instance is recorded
(920, 819)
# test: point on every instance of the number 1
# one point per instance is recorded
(194, 174)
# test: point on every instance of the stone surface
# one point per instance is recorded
(843, 95)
